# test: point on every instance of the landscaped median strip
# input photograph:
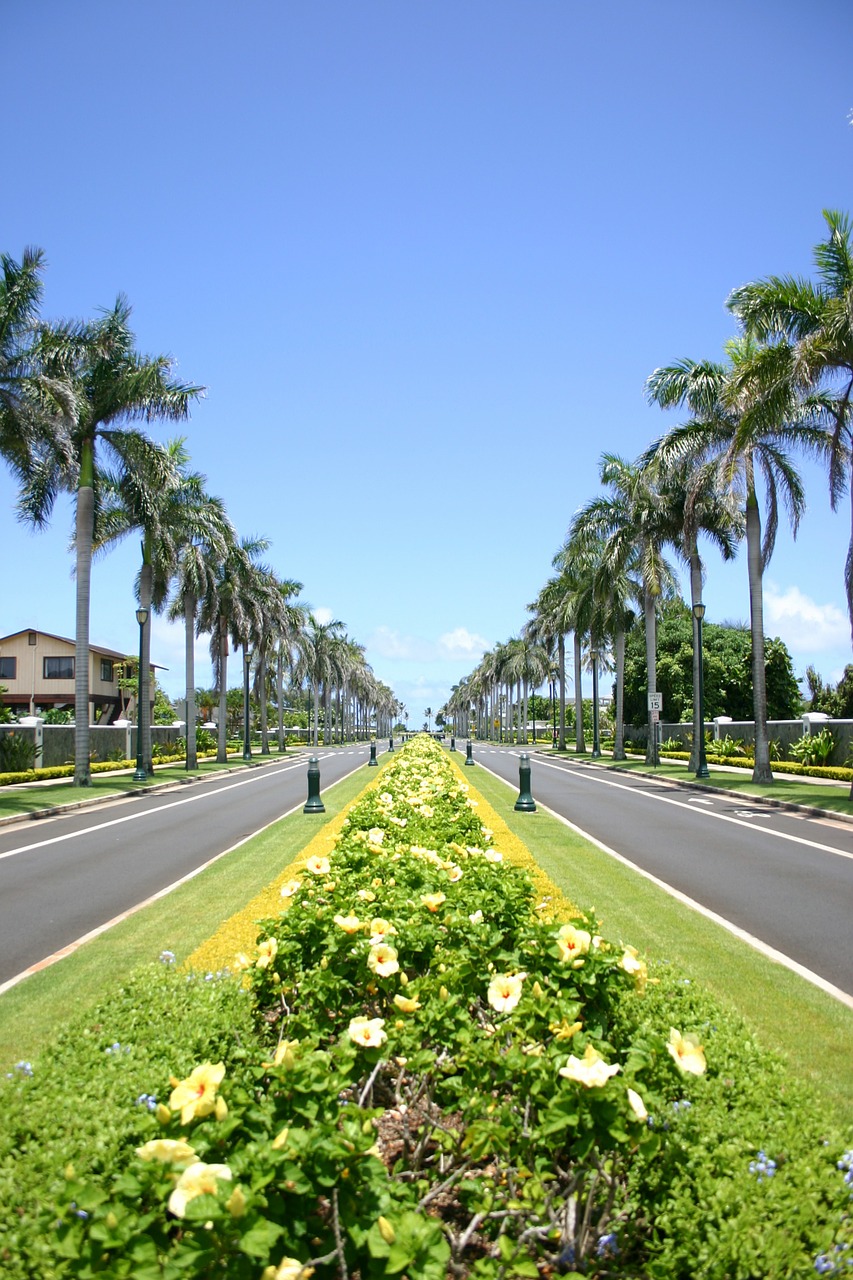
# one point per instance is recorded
(237, 935)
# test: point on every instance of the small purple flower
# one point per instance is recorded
(167, 957)
(607, 1246)
(763, 1167)
(25, 1068)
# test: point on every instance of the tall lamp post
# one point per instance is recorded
(596, 744)
(140, 773)
(699, 614)
(247, 744)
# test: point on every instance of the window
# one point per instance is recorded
(106, 670)
(59, 668)
(8, 668)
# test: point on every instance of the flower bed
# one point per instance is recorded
(447, 1078)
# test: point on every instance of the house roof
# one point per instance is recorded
(95, 648)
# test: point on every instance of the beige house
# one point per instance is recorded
(37, 671)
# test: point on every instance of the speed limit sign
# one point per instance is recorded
(655, 702)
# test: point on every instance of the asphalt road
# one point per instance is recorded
(785, 879)
(65, 876)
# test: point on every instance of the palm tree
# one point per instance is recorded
(111, 384)
(744, 435)
(631, 526)
(317, 662)
(691, 487)
(33, 405)
(227, 612)
(811, 328)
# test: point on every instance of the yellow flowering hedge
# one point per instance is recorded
(237, 935)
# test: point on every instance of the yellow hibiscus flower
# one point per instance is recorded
(267, 952)
(318, 866)
(196, 1096)
(169, 1150)
(591, 1070)
(687, 1052)
(505, 991)
(367, 1032)
(382, 960)
(198, 1179)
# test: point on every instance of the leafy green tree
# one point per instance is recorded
(728, 671)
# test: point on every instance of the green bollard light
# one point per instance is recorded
(525, 802)
(372, 760)
(314, 804)
(469, 759)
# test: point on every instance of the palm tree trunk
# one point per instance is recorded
(316, 713)
(695, 597)
(580, 740)
(85, 516)
(189, 667)
(222, 735)
(761, 771)
(262, 684)
(652, 753)
(145, 592)
(619, 727)
(279, 696)
(561, 658)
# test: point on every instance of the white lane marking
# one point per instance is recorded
(699, 800)
(718, 817)
(131, 911)
(729, 925)
(134, 817)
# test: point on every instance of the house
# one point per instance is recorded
(37, 671)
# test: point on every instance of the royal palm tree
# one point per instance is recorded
(810, 328)
(631, 525)
(317, 662)
(34, 406)
(745, 436)
(227, 612)
(112, 385)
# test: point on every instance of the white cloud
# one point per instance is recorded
(387, 643)
(168, 651)
(462, 643)
(323, 615)
(805, 626)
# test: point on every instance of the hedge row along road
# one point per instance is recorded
(783, 880)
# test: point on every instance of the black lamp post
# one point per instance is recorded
(699, 614)
(596, 744)
(140, 773)
(247, 744)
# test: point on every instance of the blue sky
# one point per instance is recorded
(423, 255)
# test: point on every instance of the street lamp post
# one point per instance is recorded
(596, 745)
(247, 743)
(140, 773)
(699, 614)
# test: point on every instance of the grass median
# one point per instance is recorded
(810, 1029)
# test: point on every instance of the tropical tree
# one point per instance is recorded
(691, 488)
(810, 330)
(112, 385)
(318, 663)
(34, 406)
(629, 528)
(227, 613)
(747, 437)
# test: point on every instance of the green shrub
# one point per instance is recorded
(17, 752)
(439, 1079)
(814, 748)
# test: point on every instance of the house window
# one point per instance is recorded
(59, 668)
(8, 668)
(106, 671)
